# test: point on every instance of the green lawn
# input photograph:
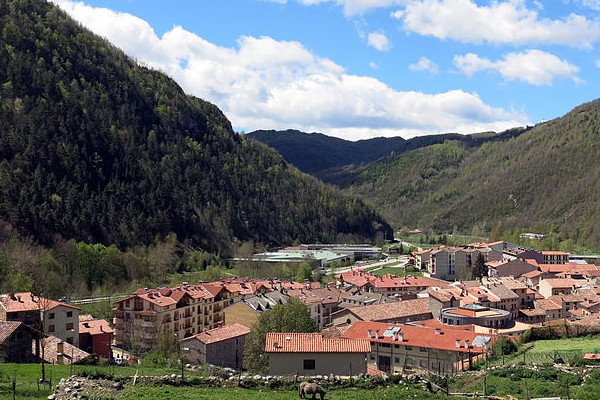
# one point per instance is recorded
(586, 344)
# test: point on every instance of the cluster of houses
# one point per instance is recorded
(33, 328)
(440, 322)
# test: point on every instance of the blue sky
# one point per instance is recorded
(357, 69)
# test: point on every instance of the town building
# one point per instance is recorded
(95, 337)
(184, 310)
(56, 318)
(222, 346)
(16, 340)
(401, 311)
(310, 354)
(403, 348)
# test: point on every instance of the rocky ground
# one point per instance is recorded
(76, 387)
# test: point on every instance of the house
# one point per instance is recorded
(505, 268)
(402, 348)
(222, 346)
(555, 257)
(16, 340)
(553, 287)
(321, 302)
(95, 337)
(401, 311)
(57, 318)
(56, 351)
(311, 354)
(451, 263)
(183, 310)
(247, 311)
(391, 285)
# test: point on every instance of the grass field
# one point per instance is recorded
(186, 393)
(27, 375)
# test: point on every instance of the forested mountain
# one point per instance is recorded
(337, 161)
(546, 180)
(98, 148)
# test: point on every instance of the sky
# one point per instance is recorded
(358, 69)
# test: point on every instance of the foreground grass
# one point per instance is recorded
(27, 375)
(398, 392)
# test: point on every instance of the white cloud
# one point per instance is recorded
(532, 66)
(379, 41)
(373, 65)
(268, 84)
(593, 4)
(499, 23)
(424, 64)
(356, 7)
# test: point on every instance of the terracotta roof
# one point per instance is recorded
(95, 327)
(27, 301)
(443, 339)
(397, 310)
(532, 274)
(221, 333)
(532, 312)
(322, 295)
(547, 304)
(313, 343)
(560, 283)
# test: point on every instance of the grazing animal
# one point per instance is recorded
(308, 388)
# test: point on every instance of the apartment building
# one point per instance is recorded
(405, 348)
(184, 310)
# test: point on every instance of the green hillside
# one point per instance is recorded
(98, 148)
(546, 180)
(338, 161)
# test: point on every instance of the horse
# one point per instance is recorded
(309, 388)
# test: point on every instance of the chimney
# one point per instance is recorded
(377, 333)
(370, 333)
(457, 343)
(466, 344)
(400, 336)
(60, 347)
(438, 331)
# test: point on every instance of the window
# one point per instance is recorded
(423, 349)
(408, 347)
(70, 340)
(69, 314)
(69, 326)
(50, 328)
(51, 315)
(309, 364)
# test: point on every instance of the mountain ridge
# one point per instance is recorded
(101, 149)
(336, 161)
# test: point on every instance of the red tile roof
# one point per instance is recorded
(221, 333)
(313, 343)
(442, 339)
(27, 301)
(95, 327)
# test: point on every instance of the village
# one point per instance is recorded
(441, 321)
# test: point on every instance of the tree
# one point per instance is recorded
(480, 269)
(304, 272)
(292, 316)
